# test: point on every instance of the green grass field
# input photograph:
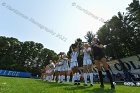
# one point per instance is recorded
(26, 85)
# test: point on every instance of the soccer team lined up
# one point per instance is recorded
(61, 69)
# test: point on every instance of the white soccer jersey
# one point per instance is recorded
(56, 67)
(87, 57)
(52, 67)
(74, 62)
(74, 56)
(60, 63)
(87, 53)
(65, 65)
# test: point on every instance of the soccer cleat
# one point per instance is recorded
(75, 83)
(91, 85)
(78, 83)
(101, 86)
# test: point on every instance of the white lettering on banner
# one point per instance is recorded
(14, 73)
(4, 73)
(131, 63)
(9, 73)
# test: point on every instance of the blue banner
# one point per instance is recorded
(14, 73)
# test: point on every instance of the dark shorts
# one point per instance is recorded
(99, 56)
(80, 63)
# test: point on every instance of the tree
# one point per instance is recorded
(89, 36)
(121, 33)
(134, 17)
(25, 56)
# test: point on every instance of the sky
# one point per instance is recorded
(46, 21)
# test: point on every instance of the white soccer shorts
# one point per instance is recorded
(73, 64)
(87, 62)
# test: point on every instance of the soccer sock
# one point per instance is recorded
(46, 78)
(68, 78)
(59, 78)
(51, 77)
(73, 79)
(54, 78)
(109, 77)
(63, 77)
(85, 78)
(101, 77)
(78, 77)
(91, 78)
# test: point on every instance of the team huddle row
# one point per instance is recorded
(62, 69)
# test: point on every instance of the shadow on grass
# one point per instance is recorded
(65, 86)
(70, 87)
(100, 90)
(54, 84)
(76, 88)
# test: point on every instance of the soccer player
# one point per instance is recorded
(51, 70)
(43, 74)
(69, 71)
(57, 71)
(63, 67)
(66, 67)
(87, 64)
(60, 69)
(74, 66)
(47, 73)
(99, 57)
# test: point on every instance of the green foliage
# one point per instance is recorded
(121, 33)
(89, 36)
(24, 56)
